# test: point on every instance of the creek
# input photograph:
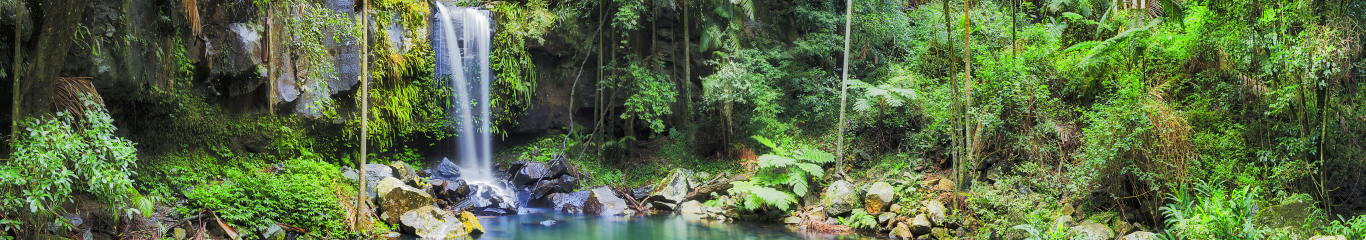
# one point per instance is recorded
(671, 226)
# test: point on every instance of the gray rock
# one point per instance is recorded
(428, 222)
(1335, 237)
(840, 197)
(1092, 231)
(387, 184)
(936, 211)
(902, 231)
(792, 220)
(920, 225)
(404, 172)
(1140, 236)
(568, 201)
(691, 207)
(883, 218)
(373, 174)
(447, 170)
(671, 191)
(403, 199)
(880, 194)
(275, 233)
(603, 202)
(530, 173)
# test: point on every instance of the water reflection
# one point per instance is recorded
(574, 227)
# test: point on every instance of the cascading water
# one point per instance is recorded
(463, 56)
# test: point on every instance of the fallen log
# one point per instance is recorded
(721, 186)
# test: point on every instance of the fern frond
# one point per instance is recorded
(862, 105)
(765, 141)
(814, 155)
(812, 169)
(775, 161)
(767, 195)
(797, 180)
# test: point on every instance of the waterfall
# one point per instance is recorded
(466, 56)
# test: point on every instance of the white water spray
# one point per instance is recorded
(468, 56)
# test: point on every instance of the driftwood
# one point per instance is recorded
(631, 199)
(715, 186)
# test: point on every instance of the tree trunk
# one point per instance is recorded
(844, 88)
(18, 60)
(53, 42)
(364, 112)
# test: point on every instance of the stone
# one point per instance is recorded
(902, 231)
(275, 233)
(404, 172)
(403, 199)
(447, 170)
(879, 195)
(896, 208)
(944, 184)
(671, 191)
(792, 220)
(883, 218)
(920, 225)
(1140, 236)
(451, 190)
(603, 202)
(387, 184)
(546, 223)
(936, 211)
(428, 222)
(1335, 237)
(1064, 220)
(941, 233)
(1092, 231)
(179, 233)
(690, 207)
(1122, 228)
(559, 165)
(374, 173)
(818, 212)
(568, 183)
(840, 197)
(641, 193)
(530, 173)
(543, 188)
(471, 223)
(574, 200)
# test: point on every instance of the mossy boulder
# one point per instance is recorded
(428, 222)
(471, 222)
(840, 197)
(879, 195)
(402, 199)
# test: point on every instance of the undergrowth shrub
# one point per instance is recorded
(57, 157)
(302, 192)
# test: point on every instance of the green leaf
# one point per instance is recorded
(816, 156)
(765, 141)
(813, 169)
(775, 161)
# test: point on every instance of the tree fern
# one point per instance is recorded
(787, 167)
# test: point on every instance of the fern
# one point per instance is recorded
(881, 94)
(786, 168)
(859, 219)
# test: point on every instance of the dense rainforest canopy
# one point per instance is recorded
(974, 119)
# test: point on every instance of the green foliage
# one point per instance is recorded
(654, 93)
(859, 218)
(1213, 213)
(304, 192)
(790, 165)
(516, 78)
(59, 156)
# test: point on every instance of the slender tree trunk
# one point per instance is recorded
(687, 74)
(364, 111)
(844, 87)
(967, 88)
(18, 60)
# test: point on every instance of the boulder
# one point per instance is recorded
(543, 188)
(404, 172)
(944, 184)
(274, 232)
(896, 208)
(1336, 237)
(920, 225)
(530, 173)
(387, 184)
(941, 233)
(840, 197)
(484, 201)
(568, 183)
(568, 202)
(691, 207)
(447, 170)
(471, 223)
(559, 165)
(403, 199)
(641, 193)
(936, 211)
(671, 191)
(792, 220)
(603, 202)
(902, 231)
(451, 190)
(883, 218)
(1092, 231)
(428, 222)
(879, 195)
(1140, 236)
(373, 174)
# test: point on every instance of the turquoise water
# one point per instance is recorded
(575, 227)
